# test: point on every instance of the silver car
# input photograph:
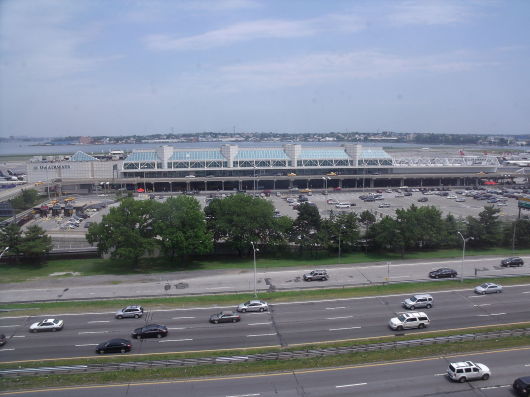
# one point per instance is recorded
(418, 301)
(130, 311)
(488, 288)
(253, 306)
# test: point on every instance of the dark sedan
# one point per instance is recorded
(225, 317)
(114, 346)
(443, 272)
(513, 261)
(150, 331)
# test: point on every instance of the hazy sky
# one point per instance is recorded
(99, 67)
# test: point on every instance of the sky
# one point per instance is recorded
(123, 67)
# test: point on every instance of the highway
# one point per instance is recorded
(238, 280)
(287, 324)
(408, 378)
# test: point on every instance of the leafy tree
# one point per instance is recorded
(240, 219)
(367, 218)
(342, 229)
(306, 227)
(180, 227)
(486, 230)
(126, 231)
(385, 235)
(26, 199)
(11, 236)
(278, 237)
(517, 233)
(35, 243)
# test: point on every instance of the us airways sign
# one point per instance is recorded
(51, 166)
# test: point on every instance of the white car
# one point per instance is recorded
(50, 324)
(467, 370)
(384, 205)
(452, 197)
(488, 288)
(409, 320)
(342, 205)
(460, 200)
(253, 306)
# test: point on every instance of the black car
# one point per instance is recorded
(114, 346)
(443, 272)
(423, 199)
(3, 340)
(225, 317)
(513, 261)
(521, 386)
(150, 331)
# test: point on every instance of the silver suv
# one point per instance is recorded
(316, 275)
(130, 311)
(418, 301)
(409, 320)
(468, 370)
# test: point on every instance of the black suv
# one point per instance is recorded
(444, 272)
(316, 275)
(513, 261)
(150, 331)
(521, 386)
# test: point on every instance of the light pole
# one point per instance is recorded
(254, 249)
(340, 232)
(463, 254)
(513, 237)
(4, 251)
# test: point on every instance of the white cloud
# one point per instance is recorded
(327, 67)
(429, 12)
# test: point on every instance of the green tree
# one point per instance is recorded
(517, 234)
(26, 199)
(126, 231)
(367, 218)
(11, 236)
(385, 235)
(240, 219)
(35, 243)
(306, 227)
(486, 230)
(180, 227)
(340, 230)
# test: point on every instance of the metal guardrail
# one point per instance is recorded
(281, 355)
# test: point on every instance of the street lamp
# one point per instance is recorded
(463, 254)
(340, 229)
(254, 249)
(326, 179)
(3, 252)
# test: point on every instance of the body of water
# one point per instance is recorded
(34, 148)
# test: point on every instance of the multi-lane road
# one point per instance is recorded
(407, 378)
(286, 324)
(239, 280)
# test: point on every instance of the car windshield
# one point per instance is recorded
(484, 286)
(413, 299)
(247, 303)
(401, 318)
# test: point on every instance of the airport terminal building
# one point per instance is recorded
(233, 167)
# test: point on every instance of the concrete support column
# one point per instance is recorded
(372, 182)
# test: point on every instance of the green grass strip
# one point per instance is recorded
(180, 373)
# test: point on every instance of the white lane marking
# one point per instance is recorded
(7, 326)
(527, 365)
(442, 374)
(93, 332)
(494, 387)
(476, 296)
(181, 318)
(336, 318)
(340, 329)
(526, 292)
(393, 277)
(220, 288)
(18, 336)
(482, 304)
(335, 308)
(245, 395)
(497, 314)
(87, 344)
(5, 350)
(251, 336)
(99, 321)
(352, 385)
(269, 322)
(177, 328)
(174, 340)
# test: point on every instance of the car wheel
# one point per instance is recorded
(421, 326)
(453, 275)
(412, 307)
(99, 352)
(120, 317)
(261, 309)
(234, 320)
(485, 376)
(325, 279)
(483, 292)
(54, 329)
(243, 310)
(216, 321)
(499, 291)
(462, 379)
(159, 336)
(400, 328)
(429, 306)
(122, 350)
(136, 316)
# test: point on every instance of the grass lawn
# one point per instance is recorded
(10, 272)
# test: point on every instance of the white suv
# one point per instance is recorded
(467, 370)
(409, 320)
